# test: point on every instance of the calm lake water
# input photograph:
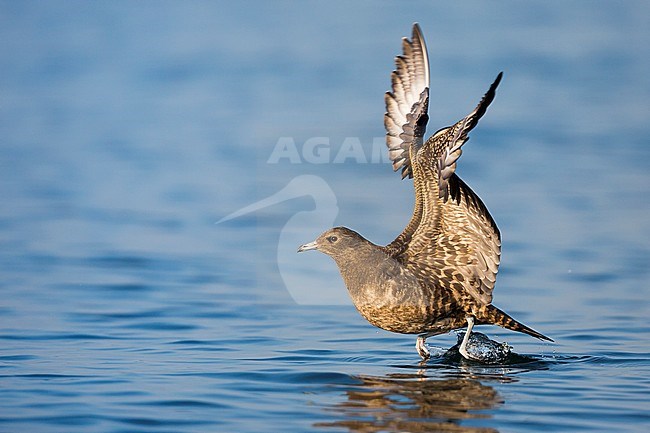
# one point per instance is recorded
(129, 130)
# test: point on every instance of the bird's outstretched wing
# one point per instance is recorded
(457, 243)
(406, 121)
(407, 104)
(448, 150)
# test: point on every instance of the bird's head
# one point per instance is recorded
(335, 242)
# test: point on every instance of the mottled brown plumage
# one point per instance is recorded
(439, 273)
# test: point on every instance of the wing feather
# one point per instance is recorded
(456, 243)
(464, 251)
(449, 148)
(407, 103)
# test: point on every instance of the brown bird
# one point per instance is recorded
(439, 273)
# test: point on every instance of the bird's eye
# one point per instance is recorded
(332, 239)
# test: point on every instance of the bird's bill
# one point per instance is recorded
(307, 247)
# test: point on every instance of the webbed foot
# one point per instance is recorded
(421, 347)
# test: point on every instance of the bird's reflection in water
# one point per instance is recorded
(414, 403)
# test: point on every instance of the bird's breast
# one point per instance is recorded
(393, 299)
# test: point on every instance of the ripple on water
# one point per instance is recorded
(124, 308)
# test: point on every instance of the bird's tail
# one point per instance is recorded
(492, 315)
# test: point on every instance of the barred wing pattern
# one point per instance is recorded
(407, 104)
(457, 243)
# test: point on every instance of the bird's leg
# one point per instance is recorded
(421, 347)
(463, 345)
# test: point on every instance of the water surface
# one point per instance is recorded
(128, 130)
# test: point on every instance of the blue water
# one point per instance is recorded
(128, 130)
